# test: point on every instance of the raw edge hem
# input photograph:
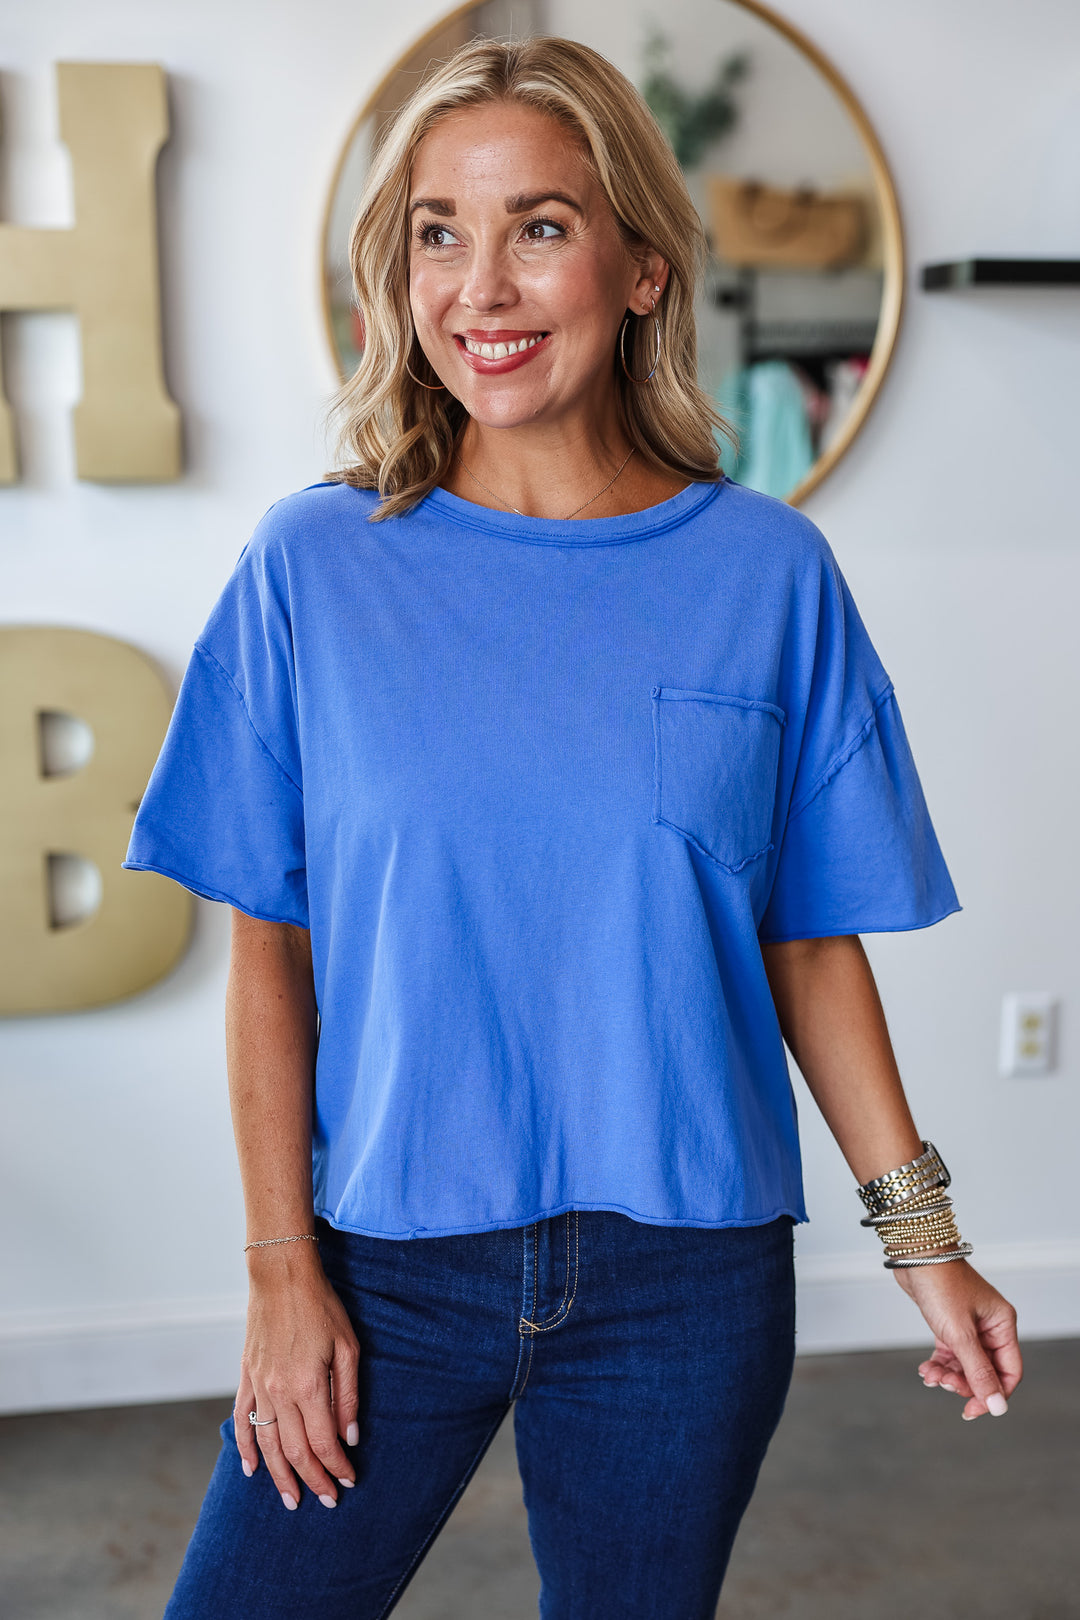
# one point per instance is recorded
(207, 893)
(862, 928)
(799, 1216)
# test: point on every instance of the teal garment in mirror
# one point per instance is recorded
(539, 789)
(765, 403)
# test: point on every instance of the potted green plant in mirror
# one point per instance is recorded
(691, 120)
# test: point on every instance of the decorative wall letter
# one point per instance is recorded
(141, 926)
(114, 121)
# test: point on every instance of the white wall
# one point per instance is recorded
(120, 1214)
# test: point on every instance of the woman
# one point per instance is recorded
(550, 776)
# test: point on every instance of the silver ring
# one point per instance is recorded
(258, 1422)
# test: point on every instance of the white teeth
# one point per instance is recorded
(499, 351)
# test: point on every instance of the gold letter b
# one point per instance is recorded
(139, 930)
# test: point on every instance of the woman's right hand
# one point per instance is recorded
(299, 1367)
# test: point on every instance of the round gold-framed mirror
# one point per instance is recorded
(803, 292)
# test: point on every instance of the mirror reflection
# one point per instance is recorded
(799, 307)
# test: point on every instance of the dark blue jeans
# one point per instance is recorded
(647, 1367)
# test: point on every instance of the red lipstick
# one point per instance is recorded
(507, 362)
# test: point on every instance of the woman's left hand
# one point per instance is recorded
(976, 1352)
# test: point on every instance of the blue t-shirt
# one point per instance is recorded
(538, 788)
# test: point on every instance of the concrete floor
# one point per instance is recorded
(875, 1499)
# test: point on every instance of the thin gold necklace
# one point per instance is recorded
(569, 515)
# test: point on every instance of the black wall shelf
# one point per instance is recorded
(1001, 273)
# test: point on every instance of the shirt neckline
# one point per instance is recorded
(667, 514)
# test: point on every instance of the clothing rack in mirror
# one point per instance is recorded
(810, 338)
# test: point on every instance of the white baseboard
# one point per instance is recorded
(850, 1302)
(172, 1351)
(190, 1349)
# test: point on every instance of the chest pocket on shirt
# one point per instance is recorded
(716, 765)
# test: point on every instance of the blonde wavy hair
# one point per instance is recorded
(398, 437)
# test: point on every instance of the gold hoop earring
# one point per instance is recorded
(622, 348)
(432, 388)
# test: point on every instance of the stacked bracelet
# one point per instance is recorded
(900, 1186)
(912, 1215)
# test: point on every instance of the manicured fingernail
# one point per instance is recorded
(352, 1434)
(290, 1501)
(997, 1405)
(328, 1501)
(969, 1417)
(246, 1466)
(348, 1483)
(950, 1387)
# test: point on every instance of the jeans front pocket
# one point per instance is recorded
(715, 771)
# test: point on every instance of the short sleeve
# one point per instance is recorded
(858, 851)
(223, 811)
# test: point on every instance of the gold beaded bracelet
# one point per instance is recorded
(266, 1243)
(922, 1237)
(916, 1222)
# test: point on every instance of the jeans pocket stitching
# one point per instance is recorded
(562, 1311)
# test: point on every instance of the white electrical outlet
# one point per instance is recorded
(1028, 1033)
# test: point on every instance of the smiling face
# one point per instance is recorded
(518, 275)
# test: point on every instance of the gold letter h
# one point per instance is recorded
(114, 121)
